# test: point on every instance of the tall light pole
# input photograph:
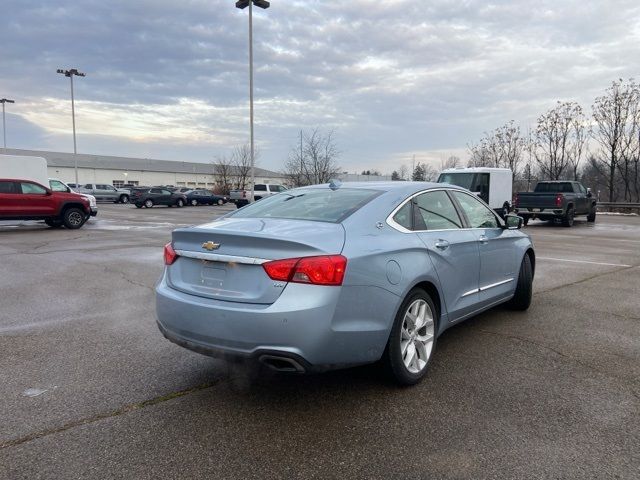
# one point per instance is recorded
(4, 123)
(70, 73)
(264, 5)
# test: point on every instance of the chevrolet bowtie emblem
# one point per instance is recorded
(210, 245)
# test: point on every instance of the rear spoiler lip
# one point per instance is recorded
(219, 257)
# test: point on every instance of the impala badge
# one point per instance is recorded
(210, 245)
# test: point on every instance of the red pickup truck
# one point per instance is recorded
(28, 200)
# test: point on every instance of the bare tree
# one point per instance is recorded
(452, 162)
(430, 172)
(241, 161)
(616, 117)
(403, 172)
(224, 170)
(501, 148)
(314, 161)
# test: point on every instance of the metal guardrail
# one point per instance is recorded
(610, 206)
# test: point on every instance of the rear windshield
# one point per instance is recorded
(322, 205)
(554, 187)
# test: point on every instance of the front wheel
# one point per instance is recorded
(148, 203)
(124, 199)
(180, 203)
(592, 215)
(194, 202)
(220, 201)
(412, 338)
(524, 289)
(73, 218)
(525, 220)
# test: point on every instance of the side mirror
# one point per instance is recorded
(49, 191)
(513, 222)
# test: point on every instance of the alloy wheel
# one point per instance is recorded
(417, 335)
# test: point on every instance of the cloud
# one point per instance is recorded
(390, 77)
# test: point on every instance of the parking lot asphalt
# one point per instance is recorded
(89, 388)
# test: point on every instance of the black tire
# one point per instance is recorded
(567, 220)
(524, 289)
(138, 205)
(148, 203)
(180, 203)
(124, 199)
(393, 355)
(592, 214)
(194, 202)
(525, 220)
(73, 218)
(53, 223)
(220, 201)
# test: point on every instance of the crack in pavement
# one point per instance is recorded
(114, 413)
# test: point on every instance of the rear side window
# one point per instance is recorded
(260, 188)
(564, 187)
(323, 205)
(7, 187)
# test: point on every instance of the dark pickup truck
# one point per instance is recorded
(562, 200)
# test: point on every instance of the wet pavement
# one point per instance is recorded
(90, 389)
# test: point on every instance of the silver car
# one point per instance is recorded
(331, 276)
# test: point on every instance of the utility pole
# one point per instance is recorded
(4, 123)
(70, 74)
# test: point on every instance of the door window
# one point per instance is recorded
(435, 211)
(58, 186)
(260, 188)
(7, 187)
(478, 214)
(32, 189)
(156, 190)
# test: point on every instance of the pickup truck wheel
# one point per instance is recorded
(194, 202)
(567, 220)
(592, 215)
(148, 203)
(522, 297)
(73, 218)
(124, 199)
(53, 223)
(525, 220)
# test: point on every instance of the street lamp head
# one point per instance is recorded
(68, 73)
(258, 3)
(6, 100)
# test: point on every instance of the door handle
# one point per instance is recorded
(483, 239)
(442, 244)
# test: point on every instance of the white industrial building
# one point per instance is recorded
(117, 171)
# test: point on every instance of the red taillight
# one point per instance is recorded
(517, 200)
(559, 198)
(324, 270)
(170, 254)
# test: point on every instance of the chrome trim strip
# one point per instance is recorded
(487, 287)
(470, 292)
(218, 257)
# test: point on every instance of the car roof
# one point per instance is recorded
(389, 186)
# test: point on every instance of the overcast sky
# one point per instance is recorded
(169, 79)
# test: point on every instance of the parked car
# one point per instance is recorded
(59, 186)
(22, 199)
(556, 200)
(325, 277)
(493, 185)
(204, 197)
(105, 193)
(262, 190)
(150, 196)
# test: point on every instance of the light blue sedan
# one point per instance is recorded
(331, 276)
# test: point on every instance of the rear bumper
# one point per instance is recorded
(546, 213)
(316, 326)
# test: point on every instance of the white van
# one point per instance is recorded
(493, 185)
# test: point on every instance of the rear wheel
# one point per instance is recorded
(412, 338)
(194, 202)
(592, 214)
(522, 297)
(148, 203)
(567, 220)
(180, 203)
(220, 201)
(124, 199)
(73, 218)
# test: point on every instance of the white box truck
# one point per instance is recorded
(493, 185)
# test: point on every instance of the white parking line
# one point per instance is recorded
(584, 261)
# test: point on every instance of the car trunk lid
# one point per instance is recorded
(223, 260)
